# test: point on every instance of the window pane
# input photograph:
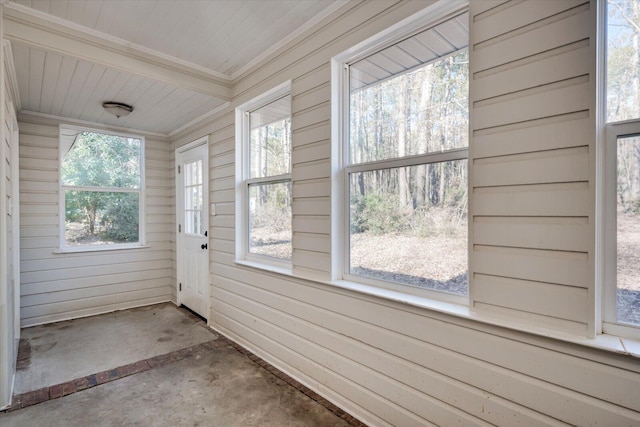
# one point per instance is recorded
(270, 220)
(97, 218)
(193, 197)
(422, 111)
(193, 210)
(409, 225)
(271, 139)
(628, 236)
(623, 57)
(100, 160)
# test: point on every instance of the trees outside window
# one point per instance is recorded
(265, 231)
(622, 166)
(406, 162)
(101, 178)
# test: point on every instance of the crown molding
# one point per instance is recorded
(11, 74)
(291, 37)
(199, 120)
(38, 29)
(26, 115)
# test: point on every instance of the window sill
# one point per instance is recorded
(97, 249)
(605, 342)
(287, 271)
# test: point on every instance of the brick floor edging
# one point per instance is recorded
(64, 389)
(56, 391)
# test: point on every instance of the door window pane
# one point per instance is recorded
(193, 197)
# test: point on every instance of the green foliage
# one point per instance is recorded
(270, 206)
(120, 218)
(100, 161)
(425, 110)
(376, 213)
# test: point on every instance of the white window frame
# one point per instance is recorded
(606, 196)
(610, 324)
(243, 181)
(141, 195)
(341, 167)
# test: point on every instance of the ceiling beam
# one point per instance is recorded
(36, 29)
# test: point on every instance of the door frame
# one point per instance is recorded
(179, 207)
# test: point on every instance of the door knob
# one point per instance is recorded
(204, 246)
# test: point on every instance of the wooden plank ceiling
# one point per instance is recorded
(213, 40)
(428, 45)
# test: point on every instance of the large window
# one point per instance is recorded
(405, 161)
(622, 166)
(101, 189)
(265, 187)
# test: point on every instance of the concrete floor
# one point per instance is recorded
(64, 351)
(210, 385)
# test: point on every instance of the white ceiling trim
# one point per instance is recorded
(66, 120)
(197, 120)
(289, 38)
(10, 69)
(113, 40)
(35, 28)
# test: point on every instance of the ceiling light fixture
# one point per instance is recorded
(118, 109)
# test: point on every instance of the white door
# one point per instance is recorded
(193, 226)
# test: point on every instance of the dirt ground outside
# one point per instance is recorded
(628, 300)
(439, 261)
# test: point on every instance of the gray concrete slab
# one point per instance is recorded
(217, 387)
(64, 351)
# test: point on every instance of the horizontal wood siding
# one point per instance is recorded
(311, 139)
(533, 139)
(58, 286)
(9, 324)
(388, 363)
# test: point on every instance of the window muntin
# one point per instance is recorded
(267, 183)
(405, 167)
(101, 177)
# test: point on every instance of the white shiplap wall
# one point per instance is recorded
(59, 286)
(392, 364)
(9, 261)
(533, 124)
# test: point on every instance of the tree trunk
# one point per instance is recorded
(403, 186)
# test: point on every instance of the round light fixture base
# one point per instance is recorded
(118, 109)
